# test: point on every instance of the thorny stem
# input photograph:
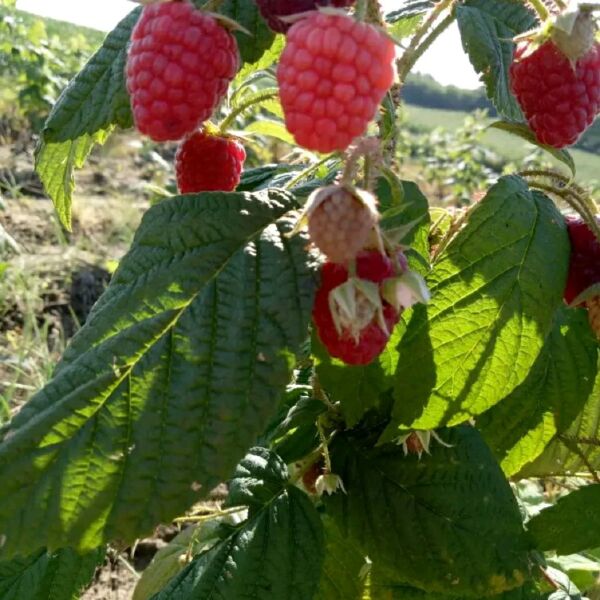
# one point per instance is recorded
(215, 514)
(324, 446)
(575, 201)
(540, 9)
(234, 114)
(422, 40)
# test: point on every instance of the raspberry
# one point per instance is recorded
(559, 99)
(584, 266)
(206, 162)
(333, 74)
(340, 221)
(179, 66)
(370, 266)
(272, 10)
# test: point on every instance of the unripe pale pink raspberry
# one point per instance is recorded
(179, 66)
(340, 221)
(333, 74)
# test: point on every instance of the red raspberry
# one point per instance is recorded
(371, 266)
(207, 162)
(584, 267)
(333, 74)
(340, 221)
(272, 10)
(179, 66)
(559, 100)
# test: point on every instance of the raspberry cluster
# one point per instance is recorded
(180, 63)
(354, 349)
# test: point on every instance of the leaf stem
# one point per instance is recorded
(305, 173)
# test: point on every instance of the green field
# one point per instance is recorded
(506, 145)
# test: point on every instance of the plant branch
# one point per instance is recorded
(422, 40)
(242, 108)
(540, 8)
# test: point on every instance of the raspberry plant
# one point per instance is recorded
(217, 352)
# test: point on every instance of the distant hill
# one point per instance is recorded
(425, 91)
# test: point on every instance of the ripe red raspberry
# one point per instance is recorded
(370, 266)
(272, 10)
(560, 100)
(333, 74)
(340, 221)
(206, 162)
(179, 66)
(584, 266)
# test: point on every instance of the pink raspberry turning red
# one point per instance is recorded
(273, 10)
(206, 162)
(333, 74)
(584, 266)
(179, 66)
(560, 99)
(371, 266)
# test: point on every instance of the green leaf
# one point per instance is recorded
(54, 164)
(179, 367)
(405, 20)
(45, 575)
(495, 291)
(447, 523)
(548, 401)
(525, 133)
(342, 577)
(270, 128)
(171, 560)
(571, 525)
(277, 553)
(487, 28)
(246, 13)
(405, 218)
(356, 388)
(89, 108)
(267, 60)
(97, 98)
(575, 450)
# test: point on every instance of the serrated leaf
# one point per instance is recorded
(97, 98)
(246, 13)
(525, 133)
(178, 369)
(577, 449)
(55, 163)
(571, 525)
(495, 291)
(446, 523)
(270, 128)
(487, 28)
(93, 103)
(342, 577)
(46, 575)
(277, 553)
(267, 60)
(171, 560)
(548, 401)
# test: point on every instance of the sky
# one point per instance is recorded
(445, 60)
